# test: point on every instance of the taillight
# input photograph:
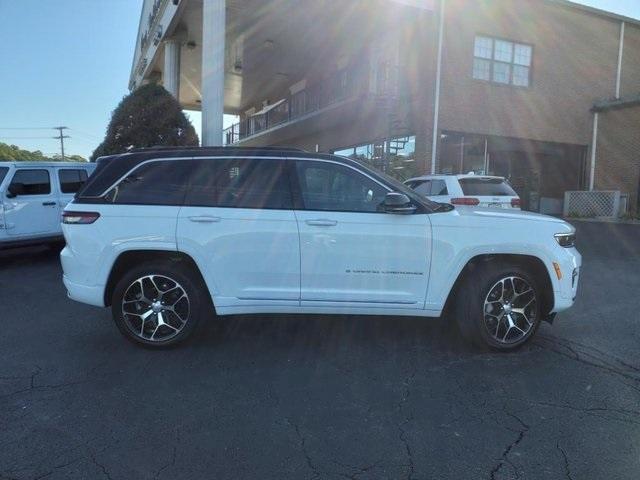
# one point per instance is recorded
(516, 203)
(79, 218)
(465, 201)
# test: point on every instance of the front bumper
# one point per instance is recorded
(566, 288)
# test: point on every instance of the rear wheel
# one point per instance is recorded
(498, 306)
(158, 304)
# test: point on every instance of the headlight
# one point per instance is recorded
(566, 240)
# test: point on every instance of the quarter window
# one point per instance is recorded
(72, 180)
(154, 183)
(330, 187)
(31, 182)
(502, 61)
(240, 183)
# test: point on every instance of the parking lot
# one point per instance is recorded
(297, 397)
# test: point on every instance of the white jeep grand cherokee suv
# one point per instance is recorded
(168, 236)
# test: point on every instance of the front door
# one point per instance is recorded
(33, 207)
(352, 253)
(238, 221)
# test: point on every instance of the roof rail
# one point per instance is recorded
(204, 149)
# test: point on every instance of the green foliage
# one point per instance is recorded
(148, 117)
(13, 153)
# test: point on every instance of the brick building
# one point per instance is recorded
(545, 92)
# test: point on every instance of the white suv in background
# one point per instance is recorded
(167, 237)
(32, 196)
(472, 190)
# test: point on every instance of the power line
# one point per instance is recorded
(25, 128)
(25, 138)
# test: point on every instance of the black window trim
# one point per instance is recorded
(34, 169)
(289, 170)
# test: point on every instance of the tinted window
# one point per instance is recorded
(336, 188)
(72, 180)
(423, 187)
(494, 187)
(240, 183)
(3, 173)
(31, 182)
(439, 187)
(154, 183)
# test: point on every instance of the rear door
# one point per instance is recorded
(34, 209)
(238, 223)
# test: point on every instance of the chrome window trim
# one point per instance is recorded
(232, 157)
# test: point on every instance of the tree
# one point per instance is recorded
(16, 154)
(148, 117)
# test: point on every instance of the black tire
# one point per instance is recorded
(197, 301)
(469, 306)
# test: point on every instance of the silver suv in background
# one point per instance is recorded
(471, 190)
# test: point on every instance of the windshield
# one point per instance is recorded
(3, 173)
(487, 187)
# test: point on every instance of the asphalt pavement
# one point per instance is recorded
(318, 397)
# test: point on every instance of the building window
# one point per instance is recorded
(501, 61)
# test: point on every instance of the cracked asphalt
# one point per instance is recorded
(299, 397)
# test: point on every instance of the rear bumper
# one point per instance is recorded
(92, 295)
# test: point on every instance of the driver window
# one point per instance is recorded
(336, 188)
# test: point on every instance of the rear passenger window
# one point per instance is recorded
(439, 187)
(31, 182)
(72, 180)
(423, 188)
(240, 183)
(154, 183)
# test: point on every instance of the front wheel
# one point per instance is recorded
(158, 304)
(498, 306)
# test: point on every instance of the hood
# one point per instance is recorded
(514, 214)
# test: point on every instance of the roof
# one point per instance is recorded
(595, 11)
(27, 163)
(113, 167)
(616, 103)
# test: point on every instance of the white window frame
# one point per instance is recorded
(515, 61)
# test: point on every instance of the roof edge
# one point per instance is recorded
(595, 11)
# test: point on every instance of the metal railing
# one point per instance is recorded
(336, 88)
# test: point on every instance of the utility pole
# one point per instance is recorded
(61, 136)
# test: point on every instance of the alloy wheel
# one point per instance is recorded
(510, 310)
(155, 308)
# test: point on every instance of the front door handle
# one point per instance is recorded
(205, 219)
(48, 204)
(322, 223)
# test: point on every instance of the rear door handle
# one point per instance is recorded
(205, 219)
(48, 204)
(322, 223)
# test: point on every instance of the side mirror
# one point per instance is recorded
(14, 190)
(398, 203)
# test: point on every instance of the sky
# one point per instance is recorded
(67, 63)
